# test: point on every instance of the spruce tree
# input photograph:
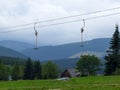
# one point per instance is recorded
(37, 70)
(28, 70)
(113, 57)
(15, 72)
(3, 72)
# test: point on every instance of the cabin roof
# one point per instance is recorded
(72, 72)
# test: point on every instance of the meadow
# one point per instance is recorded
(81, 83)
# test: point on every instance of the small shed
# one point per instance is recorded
(70, 73)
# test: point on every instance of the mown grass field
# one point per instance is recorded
(82, 83)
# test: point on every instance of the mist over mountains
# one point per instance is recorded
(71, 50)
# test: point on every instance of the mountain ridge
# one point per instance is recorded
(67, 50)
(15, 45)
(10, 53)
(71, 50)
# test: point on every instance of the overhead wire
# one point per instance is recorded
(89, 18)
(99, 11)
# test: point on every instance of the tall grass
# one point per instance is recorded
(82, 83)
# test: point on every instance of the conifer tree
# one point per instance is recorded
(3, 71)
(113, 57)
(28, 70)
(37, 70)
(15, 72)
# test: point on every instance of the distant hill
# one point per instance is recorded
(10, 53)
(65, 56)
(66, 63)
(72, 50)
(15, 45)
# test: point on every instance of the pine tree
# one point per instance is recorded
(37, 70)
(3, 72)
(28, 70)
(15, 72)
(113, 58)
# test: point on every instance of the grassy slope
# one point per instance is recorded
(83, 83)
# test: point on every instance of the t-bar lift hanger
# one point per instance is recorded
(82, 30)
(36, 34)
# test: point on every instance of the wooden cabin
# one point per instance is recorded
(70, 73)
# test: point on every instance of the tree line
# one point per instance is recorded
(29, 71)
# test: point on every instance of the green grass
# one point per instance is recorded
(82, 83)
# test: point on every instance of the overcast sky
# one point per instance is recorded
(17, 12)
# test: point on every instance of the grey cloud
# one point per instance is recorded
(17, 12)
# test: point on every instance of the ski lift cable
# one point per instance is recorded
(90, 18)
(67, 17)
